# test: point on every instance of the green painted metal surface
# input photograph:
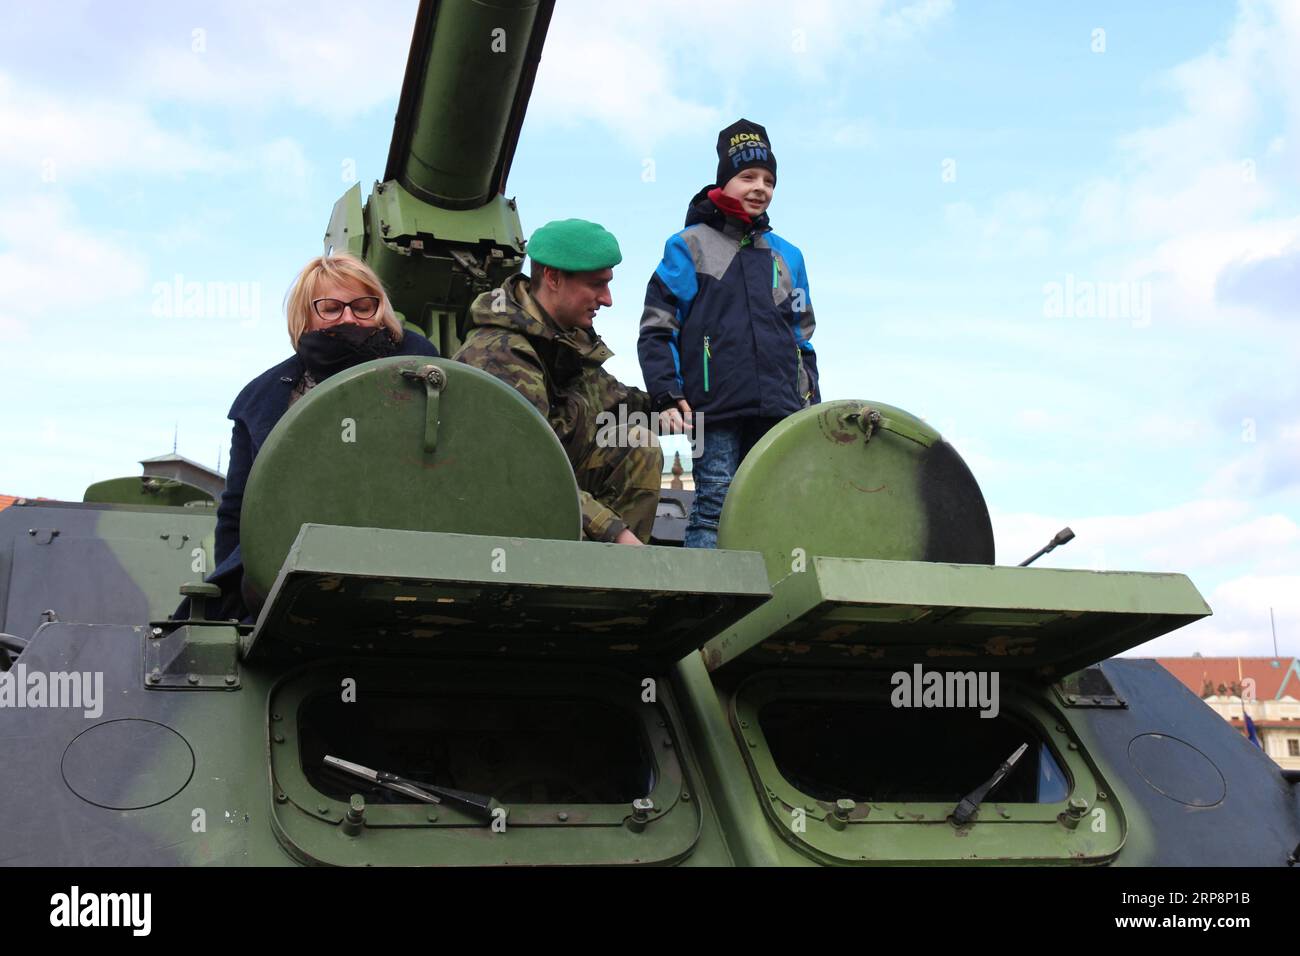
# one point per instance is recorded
(352, 452)
(147, 490)
(444, 622)
(117, 564)
(379, 592)
(465, 96)
(830, 480)
(1043, 622)
(883, 831)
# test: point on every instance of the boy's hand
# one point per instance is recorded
(627, 537)
(676, 420)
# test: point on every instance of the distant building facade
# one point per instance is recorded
(1267, 689)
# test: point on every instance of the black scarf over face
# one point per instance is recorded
(327, 351)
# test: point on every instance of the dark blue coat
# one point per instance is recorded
(728, 320)
(255, 411)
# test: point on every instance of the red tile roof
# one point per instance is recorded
(1271, 674)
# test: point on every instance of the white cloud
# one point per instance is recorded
(1240, 624)
(52, 264)
(339, 60)
(1205, 535)
(1198, 191)
(636, 68)
(54, 139)
(1268, 463)
(1204, 539)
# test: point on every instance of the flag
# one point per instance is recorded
(1250, 732)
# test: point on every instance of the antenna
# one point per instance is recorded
(218, 458)
(1273, 624)
(176, 431)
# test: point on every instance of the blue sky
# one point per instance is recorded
(953, 172)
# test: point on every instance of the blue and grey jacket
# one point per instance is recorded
(728, 320)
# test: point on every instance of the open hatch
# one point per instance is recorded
(528, 676)
(872, 698)
(1041, 623)
(380, 592)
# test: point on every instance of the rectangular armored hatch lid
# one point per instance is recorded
(888, 615)
(381, 592)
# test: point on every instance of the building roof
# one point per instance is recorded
(1275, 677)
(179, 459)
(7, 500)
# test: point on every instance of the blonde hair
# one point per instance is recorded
(344, 269)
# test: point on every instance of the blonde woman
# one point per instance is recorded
(339, 316)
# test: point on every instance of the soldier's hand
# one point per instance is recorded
(627, 537)
(676, 420)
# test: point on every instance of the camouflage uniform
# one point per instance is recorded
(559, 372)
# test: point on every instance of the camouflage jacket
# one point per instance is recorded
(558, 371)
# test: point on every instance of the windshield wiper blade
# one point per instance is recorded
(475, 803)
(971, 802)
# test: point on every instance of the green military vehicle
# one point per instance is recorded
(441, 675)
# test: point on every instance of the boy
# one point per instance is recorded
(727, 322)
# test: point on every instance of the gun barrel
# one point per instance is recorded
(468, 80)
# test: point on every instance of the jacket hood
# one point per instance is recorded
(701, 209)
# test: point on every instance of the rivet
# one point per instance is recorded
(192, 678)
(275, 717)
(156, 632)
(562, 816)
(432, 816)
(686, 797)
(279, 738)
(321, 808)
(230, 678)
(1073, 745)
(154, 677)
(668, 741)
(280, 797)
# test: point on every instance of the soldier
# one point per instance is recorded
(535, 334)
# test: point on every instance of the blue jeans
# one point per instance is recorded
(725, 446)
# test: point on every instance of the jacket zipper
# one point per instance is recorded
(706, 363)
(776, 273)
(799, 378)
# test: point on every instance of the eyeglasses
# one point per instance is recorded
(331, 310)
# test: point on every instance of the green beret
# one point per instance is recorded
(574, 245)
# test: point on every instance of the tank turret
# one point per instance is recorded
(441, 673)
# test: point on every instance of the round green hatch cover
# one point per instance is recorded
(855, 479)
(352, 452)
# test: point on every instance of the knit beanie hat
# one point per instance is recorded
(743, 145)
